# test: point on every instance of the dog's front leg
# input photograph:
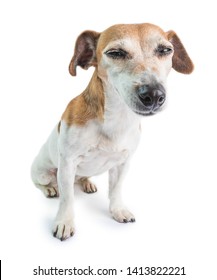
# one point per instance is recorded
(117, 208)
(64, 224)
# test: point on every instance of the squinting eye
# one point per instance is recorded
(163, 50)
(116, 53)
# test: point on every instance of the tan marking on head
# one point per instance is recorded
(89, 105)
(139, 41)
(137, 32)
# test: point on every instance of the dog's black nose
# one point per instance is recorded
(152, 97)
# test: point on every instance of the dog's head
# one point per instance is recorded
(134, 60)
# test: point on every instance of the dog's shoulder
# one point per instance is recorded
(88, 105)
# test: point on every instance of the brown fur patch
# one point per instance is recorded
(88, 105)
(181, 61)
(85, 51)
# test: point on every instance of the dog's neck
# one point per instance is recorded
(118, 117)
(100, 101)
(94, 97)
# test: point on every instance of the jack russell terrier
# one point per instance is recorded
(100, 128)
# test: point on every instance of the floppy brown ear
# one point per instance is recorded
(85, 51)
(181, 62)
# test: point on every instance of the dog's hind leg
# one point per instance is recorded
(44, 174)
(86, 184)
(46, 181)
(50, 190)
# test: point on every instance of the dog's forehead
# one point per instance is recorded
(139, 32)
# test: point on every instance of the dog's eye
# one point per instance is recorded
(117, 54)
(163, 50)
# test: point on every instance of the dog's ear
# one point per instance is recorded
(181, 62)
(85, 51)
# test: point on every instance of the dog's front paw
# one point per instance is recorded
(63, 229)
(88, 186)
(122, 215)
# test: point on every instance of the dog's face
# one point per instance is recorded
(134, 60)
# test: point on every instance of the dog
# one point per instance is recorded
(100, 129)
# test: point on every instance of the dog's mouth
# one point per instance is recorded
(147, 112)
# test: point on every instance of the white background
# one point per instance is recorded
(171, 187)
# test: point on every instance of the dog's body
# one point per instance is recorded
(100, 129)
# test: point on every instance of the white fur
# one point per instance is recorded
(92, 150)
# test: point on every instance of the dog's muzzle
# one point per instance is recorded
(152, 97)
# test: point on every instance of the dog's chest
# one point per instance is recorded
(106, 154)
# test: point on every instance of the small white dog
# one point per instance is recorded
(100, 128)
